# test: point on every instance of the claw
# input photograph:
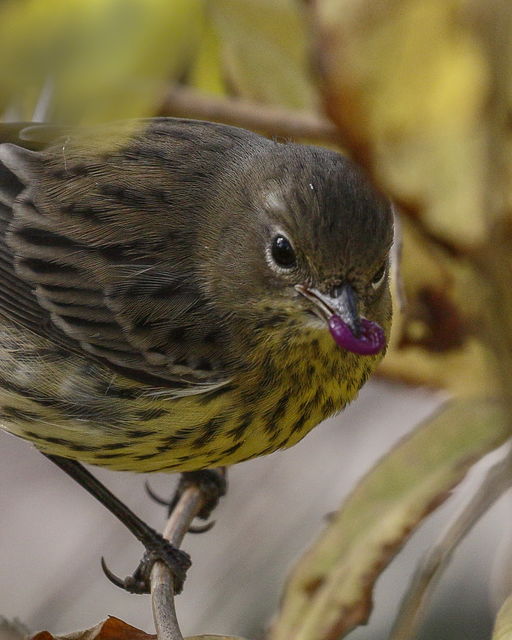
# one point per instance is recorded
(176, 560)
(154, 496)
(131, 584)
(112, 576)
(202, 528)
(170, 504)
(212, 483)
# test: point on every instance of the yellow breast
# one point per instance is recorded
(85, 412)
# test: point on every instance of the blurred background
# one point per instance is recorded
(420, 93)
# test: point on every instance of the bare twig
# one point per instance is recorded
(496, 482)
(162, 593)
(276, 121)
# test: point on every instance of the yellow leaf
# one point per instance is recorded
(106, 59)
(503, 626)
(408, 82)
(264, 50)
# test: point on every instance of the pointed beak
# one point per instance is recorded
(349, 330)
(342, 303)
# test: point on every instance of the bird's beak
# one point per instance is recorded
(342, 303)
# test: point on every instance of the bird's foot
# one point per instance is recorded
(211, 482)
(157, 549)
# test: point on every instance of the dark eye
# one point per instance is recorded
(378, 278)
(283, 253)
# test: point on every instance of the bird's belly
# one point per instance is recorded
(83, 411)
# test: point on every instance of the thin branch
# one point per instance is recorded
(275, 121)
(162, 593)
(497, 480)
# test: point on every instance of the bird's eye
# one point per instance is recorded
(379, 276)
(283, 253)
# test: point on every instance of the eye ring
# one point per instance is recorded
(379, 276)
(282, 252)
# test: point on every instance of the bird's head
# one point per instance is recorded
(304, 243)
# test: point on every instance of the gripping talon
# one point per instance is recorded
(176, 560)
(154, 496)
(170, 504)
(211, 482)
(132, 584)
(202, 528)
(112, 576)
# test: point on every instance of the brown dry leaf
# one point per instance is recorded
(329, 591)
(110, 629)
(214, 637)
(115, 629)
(435, 340)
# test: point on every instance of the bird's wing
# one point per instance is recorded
(86, 260)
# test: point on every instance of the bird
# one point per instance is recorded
(179, 295)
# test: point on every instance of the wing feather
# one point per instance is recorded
(94, 259)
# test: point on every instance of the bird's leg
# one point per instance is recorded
(157, 548)
(212, 484)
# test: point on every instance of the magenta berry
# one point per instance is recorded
(371, 341)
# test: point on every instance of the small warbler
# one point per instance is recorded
(182, 294)
(177, 295)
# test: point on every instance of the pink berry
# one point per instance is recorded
(371, 341)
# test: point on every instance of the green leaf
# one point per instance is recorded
(106, 59)
(264, 50)
(329, 591)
